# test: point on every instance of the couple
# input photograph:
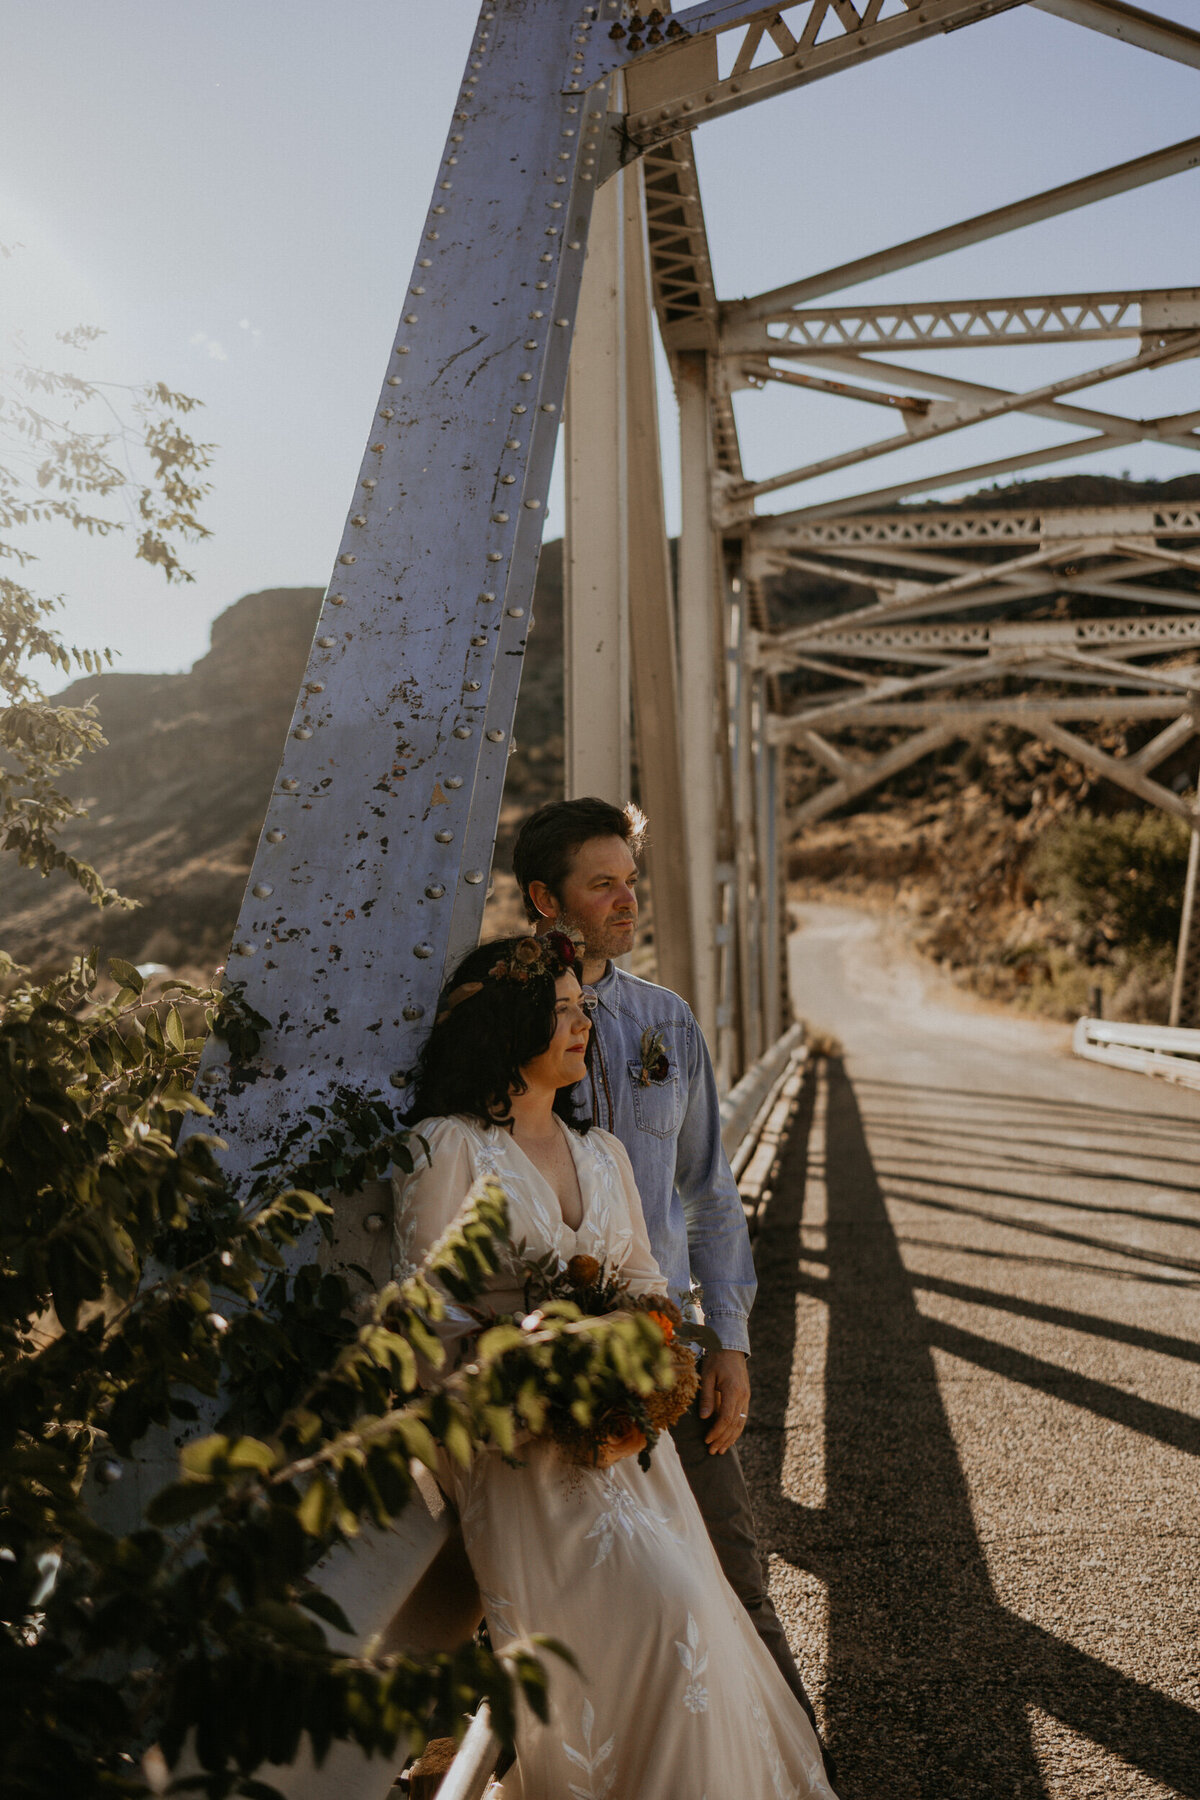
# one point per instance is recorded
(686, 1688)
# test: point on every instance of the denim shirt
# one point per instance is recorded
(672, 1131)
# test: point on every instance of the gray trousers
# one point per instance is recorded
(724, 1501)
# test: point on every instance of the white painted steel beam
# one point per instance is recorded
(1139, 636)
(373, 863)
(1174, 159)
(867, 775)
(596, 665)
(1117, 425)
(1185, 989)
(1017, 710)
(1131, 25)
(1112, 768)
(959, 324)
(975, 525)
(652, 635)
(697, 603)
(678, 86)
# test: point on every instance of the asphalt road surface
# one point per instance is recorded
(975, 1434)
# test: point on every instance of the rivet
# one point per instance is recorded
(512, 443)
(394, 381)
(518, 408)
(431, 237)
(423, 262)
(402, 350)
(500, 518)
(494, 737)
(574, 244)
(289, 786)
(560, 181)
(410, 318)
(262, 890)
(276, 837)
(302, 732)
(546, 256)
(570, 131)
(454, 781)
(399, 1077)
(479, 642)
(507, 480)
(495, 556)
(474, 877)
(339, 599)
(418, 290)
(515, 612)
(486, 598)
(532, 505)
(546, 406)
(314, 687)
(551, 231)
(423, 951)
(586, 176)
(526, 375)
(445, 186)
(443, 837)
(347, 558)
(412, 1013)
(438, 210)
(244, 948)
(540, 286)
(462, 731)
(531, 343)
(357, 519)
(471, 687)
(387, 412)
(562, 322)
(326, 643)
(434, 891)
(374, 1222)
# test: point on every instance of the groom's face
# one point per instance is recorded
(599, 898)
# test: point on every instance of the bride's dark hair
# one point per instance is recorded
(496, 1013)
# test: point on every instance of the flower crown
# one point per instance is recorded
(550, 954)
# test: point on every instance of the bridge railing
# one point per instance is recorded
(1171, 1052)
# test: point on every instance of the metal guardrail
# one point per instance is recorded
(1168, 1051)
(747, 1107)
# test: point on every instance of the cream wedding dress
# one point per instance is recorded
(676, 1697)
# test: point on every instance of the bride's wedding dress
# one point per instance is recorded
(676, 1698)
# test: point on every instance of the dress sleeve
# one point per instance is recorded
(426, 1202)
(639, 1267)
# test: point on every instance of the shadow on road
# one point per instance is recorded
(929, 1677)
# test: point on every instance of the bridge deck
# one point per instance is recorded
(977, 1414)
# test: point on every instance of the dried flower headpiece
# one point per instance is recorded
(550, 954)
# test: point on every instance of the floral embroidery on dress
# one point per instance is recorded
(813, 1768)
(695, 1661)
(624, 1513)
(498, 1611)
(600, 1781)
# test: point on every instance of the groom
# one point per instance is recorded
(650, 1082)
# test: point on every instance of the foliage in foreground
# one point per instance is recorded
(133, 1285)
(1120, 878)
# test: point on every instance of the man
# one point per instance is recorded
(651, 1083)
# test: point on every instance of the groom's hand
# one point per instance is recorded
(724, 1398)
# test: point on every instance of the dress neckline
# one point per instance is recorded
(584, 1207)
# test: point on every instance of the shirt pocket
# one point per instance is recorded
(657, 1105)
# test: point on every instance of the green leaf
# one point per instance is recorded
(327, 1608)
(175, 1034)
(126, 974)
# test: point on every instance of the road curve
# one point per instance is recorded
(975, 1439)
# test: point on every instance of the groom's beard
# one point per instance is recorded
(599, 944)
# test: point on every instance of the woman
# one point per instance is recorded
(676, 1698)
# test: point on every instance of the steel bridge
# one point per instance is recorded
(566, 221)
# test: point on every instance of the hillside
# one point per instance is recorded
(177, 797)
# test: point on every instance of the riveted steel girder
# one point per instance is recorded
(372, 868)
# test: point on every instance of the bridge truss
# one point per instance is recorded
(570, 143)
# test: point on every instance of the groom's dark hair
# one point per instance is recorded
(550, 837)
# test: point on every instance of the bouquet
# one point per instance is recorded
(582, 1427)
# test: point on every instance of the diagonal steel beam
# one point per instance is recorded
(1156, 166)
(954, 387)
(1131, 25)
(945, 419)
(1173, 737)
(869, 775)
(972, 714)
(1114, 768)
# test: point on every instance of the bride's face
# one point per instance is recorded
(563, 1061)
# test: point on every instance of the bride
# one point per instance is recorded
(675, 1695)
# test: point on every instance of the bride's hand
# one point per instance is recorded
(616, 1449)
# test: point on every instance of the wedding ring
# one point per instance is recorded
(741, 1415)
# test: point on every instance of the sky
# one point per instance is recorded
(233, 190)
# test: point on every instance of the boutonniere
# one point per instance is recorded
(655, 1063)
